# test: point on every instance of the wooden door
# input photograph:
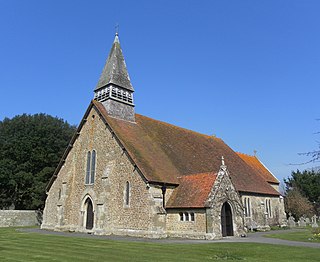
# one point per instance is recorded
(226, 220)
(89, 221)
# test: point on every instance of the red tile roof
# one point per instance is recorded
(193, 191)
(164, 152)
(260, 169)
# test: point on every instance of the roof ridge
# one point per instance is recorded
(240, 153)
(179, 127)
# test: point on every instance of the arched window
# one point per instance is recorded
(266, 207)
(88, 167)
(181, 216)
(191, 216)
(93, 166)
(269, 205)
(249, 207)
(245, 207)
(59, 195)
(127, 194)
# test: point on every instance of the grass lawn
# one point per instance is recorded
(24, 246)
(303, 235)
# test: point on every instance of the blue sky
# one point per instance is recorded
(245, 71)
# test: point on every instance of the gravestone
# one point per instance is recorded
(302, 222)
(314, 221)
(308, 221)
(291, 221)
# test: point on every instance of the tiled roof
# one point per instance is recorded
(164, 152)
(260, 169)
(192, 192)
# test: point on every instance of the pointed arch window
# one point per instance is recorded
(247, 207)
(88, 167)
(91, 167)
(268, 207)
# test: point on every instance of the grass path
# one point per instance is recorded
(26, 246)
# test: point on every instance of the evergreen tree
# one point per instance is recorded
(30, 149)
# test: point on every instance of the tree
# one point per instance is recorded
(297, 204)
(30, 149)
(305, 185)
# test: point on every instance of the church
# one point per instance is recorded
(128, 174)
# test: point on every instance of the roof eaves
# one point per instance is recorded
(268, 171)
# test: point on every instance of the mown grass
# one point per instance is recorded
(303, 235)
(25, 246)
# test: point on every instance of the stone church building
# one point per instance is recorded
(128, 174)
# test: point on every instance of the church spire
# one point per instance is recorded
(114, 88)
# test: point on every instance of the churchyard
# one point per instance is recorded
(302, 235)
(16, 245)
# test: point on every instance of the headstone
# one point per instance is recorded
(291, 221)
(302, 221)
(314, 221)
(308, 221)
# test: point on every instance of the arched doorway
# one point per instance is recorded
(226, 220)
(89, 213)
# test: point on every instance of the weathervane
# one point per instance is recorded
(117, 29)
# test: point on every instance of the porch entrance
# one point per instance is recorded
(226, 220)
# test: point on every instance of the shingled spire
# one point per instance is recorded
(114, 89)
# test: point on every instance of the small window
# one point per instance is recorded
(249, 207)
(266, 207)
(59, 195)
(269, 206)
(186, 216)
(127, 194)
(88, 167)
(93, 166)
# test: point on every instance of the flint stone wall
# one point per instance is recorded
(259, 218)
(65, 204)
(222, 192)
(13, 218)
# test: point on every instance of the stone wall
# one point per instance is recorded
(65, 205)
(13, 218)
(189, 229)
(261, 218)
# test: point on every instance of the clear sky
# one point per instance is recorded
(245, 71)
